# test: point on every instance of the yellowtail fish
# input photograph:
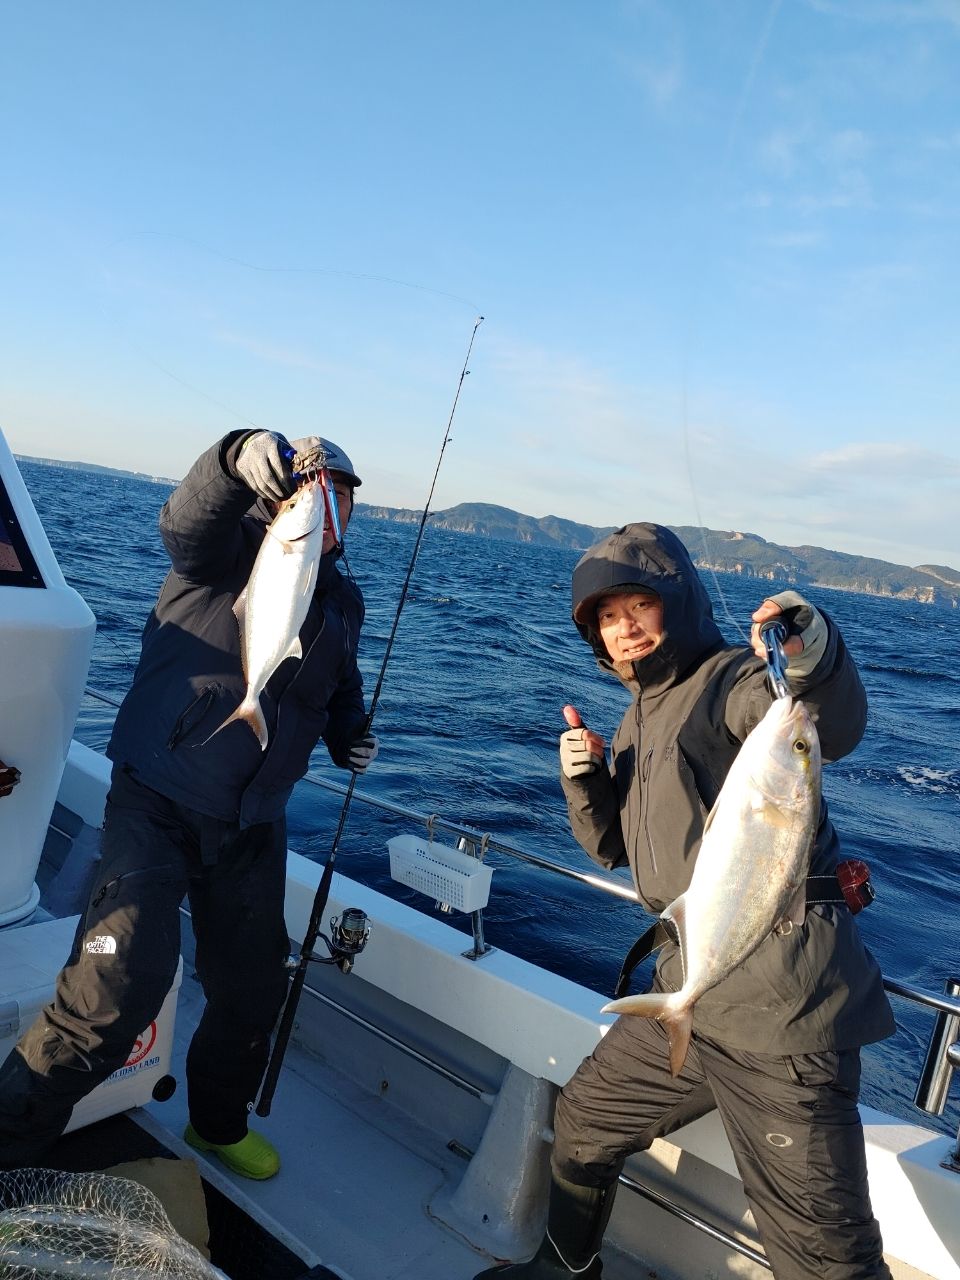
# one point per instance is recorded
(272, 607)
(751, 870)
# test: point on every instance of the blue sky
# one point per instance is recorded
(717, 246)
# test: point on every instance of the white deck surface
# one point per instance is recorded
(356, 1175)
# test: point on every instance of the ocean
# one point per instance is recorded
(470, 713)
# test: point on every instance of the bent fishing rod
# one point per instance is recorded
(351, 938)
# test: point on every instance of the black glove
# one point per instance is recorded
(264, 464)
(363, 752)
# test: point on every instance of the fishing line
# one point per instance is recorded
(755, 63)
(285, 1025)
(317, 271)
(232, 412)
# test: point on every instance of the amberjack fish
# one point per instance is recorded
(272, 607)
(751, 869)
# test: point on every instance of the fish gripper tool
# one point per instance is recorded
(773, 634)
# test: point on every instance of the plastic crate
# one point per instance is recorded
(442, 873)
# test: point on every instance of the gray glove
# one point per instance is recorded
(576, 758)
(804, 620)
(363, 752)
(264, 465)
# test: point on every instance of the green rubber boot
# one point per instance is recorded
(252, 1157)
(575, 1225)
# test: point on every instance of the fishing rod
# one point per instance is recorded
(349, 935)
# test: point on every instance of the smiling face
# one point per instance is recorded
(630, 624)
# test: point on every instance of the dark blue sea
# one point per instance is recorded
(468, 721)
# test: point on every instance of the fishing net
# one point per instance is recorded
(64, 1226)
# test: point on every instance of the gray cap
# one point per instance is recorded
(337, 460)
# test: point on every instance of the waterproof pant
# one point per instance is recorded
(792, 1122)
(124, 961)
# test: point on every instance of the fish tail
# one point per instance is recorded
(679, 1027)
(676, 1016)
(251, 713)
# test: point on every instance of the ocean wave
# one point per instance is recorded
(917, 673)
(936, 781)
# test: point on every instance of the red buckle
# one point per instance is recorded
(853, 876)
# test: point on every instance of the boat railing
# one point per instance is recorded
(943, 1050)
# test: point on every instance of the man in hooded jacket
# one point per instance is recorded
(200, 812)
(775, 1045)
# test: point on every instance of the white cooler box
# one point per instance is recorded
(31, 956)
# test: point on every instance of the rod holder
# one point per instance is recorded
(479, 948)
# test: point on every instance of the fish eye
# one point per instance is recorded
(801, 746)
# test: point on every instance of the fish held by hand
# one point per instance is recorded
(273, 606)
(750, 871)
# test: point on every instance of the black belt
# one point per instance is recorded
(849, 886)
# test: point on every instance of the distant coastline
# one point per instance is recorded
(93, 466)
(721, 550)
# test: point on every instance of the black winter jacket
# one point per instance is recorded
(189, 679)
(695, 699)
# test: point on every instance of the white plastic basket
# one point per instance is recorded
(442, 873)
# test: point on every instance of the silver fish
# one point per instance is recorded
(272, 607)
(751, 868)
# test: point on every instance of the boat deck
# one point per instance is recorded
(373, 1138)
(354, 1193)
(357, 1175)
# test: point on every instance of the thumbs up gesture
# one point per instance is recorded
(581, 750)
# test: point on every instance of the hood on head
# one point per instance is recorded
(647, 557)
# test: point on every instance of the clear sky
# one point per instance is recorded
(716, 243)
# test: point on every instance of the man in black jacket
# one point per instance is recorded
(775, 1045)
(202, 813)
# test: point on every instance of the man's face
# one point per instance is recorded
(630, 626)
(344, 506)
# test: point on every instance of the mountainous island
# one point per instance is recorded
(720, 550)
(724, 551)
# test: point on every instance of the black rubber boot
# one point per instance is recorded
(575, 1225)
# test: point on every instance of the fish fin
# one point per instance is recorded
(240, 613)
(251, 713)
(709, 818)
(679, 1029)
(676, 913)
(653, 1004)
(662, 1005)
(770, 813)
(240, 608)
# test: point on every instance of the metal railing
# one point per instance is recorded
(943, 1053)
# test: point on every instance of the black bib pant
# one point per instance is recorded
(793, 1124)
(124, 961)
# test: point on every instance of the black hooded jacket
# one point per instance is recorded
(695, 699)
(190, 678)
